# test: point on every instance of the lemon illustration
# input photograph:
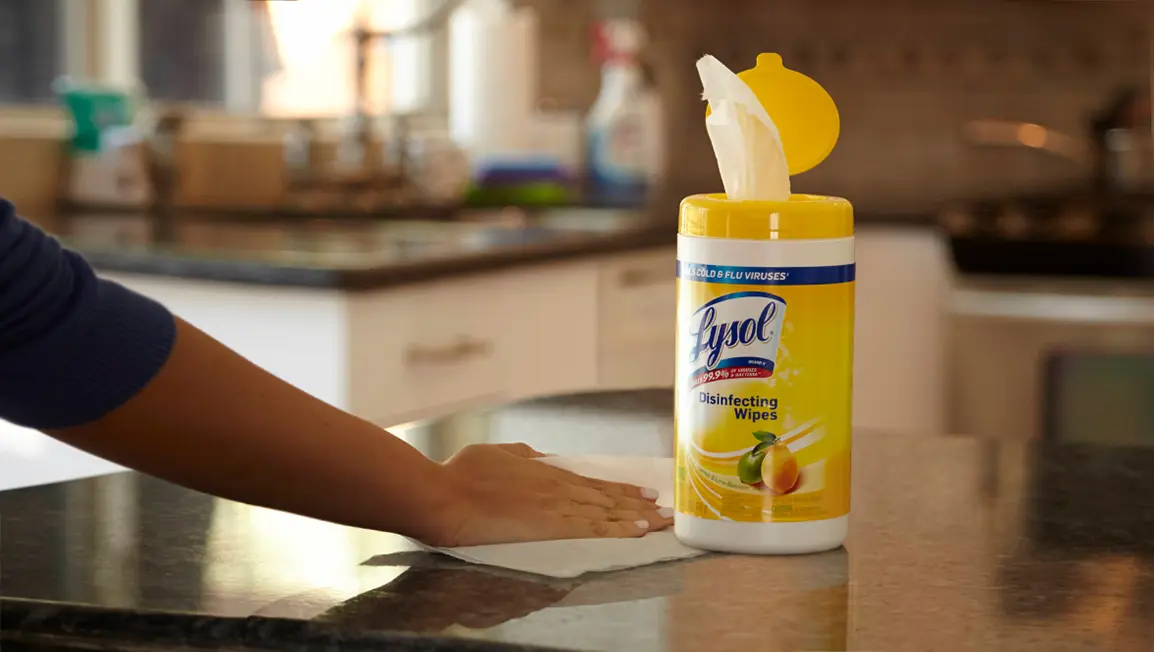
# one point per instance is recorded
(779, 469)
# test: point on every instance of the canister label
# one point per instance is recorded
(764, 378)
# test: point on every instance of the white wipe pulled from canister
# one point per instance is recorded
(745, 139)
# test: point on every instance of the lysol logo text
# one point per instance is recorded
(738, 320)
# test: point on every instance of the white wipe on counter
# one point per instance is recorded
(745, 139)
(574, 557)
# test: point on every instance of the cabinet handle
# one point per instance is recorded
(461, 349)
(636, 278)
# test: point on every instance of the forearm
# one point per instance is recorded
(212, 421)
(112, 372)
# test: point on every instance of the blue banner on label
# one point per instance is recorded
(766, 275)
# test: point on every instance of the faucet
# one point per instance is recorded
(356, 179)
(162, 172)
(362, 180)
(301, 155)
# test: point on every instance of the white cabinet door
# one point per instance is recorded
(638, 313)
(437, 347)
(420, 350)
(296, 334)
(30, 458)
(900, 334)
(553, 326)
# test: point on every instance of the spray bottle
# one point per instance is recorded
(624, 125)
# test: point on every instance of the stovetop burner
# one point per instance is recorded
(1078, 234)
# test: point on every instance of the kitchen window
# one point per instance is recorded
(181, 49)
(316, 72)
(31, 44)
(212, 53)
(242, 56)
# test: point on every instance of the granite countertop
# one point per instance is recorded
(358, 253)
(351, 253)
(956, 544)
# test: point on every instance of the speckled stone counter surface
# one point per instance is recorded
(352, 253)
(956, 544)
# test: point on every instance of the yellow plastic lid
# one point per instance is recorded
(803, 217)
(808, 122)
(803, 111)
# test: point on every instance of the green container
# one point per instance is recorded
(543, 193)
(93, 110)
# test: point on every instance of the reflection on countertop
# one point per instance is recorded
(956, 543)
(351, 253)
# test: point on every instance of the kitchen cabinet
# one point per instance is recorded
(636, 318)
(554, 323)
(297, 334)
(410, 351)
(1055, 358)
(30, 458)
(423, 349)
(903, 281)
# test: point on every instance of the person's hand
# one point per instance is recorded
(502, 494)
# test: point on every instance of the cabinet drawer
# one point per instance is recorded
(638, 301)
(417, 351)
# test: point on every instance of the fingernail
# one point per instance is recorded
(644, 525)
(665, 512)
(650, 493)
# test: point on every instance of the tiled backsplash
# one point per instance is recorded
(907, 76)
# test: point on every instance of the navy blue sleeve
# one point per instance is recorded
(73, 347)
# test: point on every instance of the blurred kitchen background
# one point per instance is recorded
(410, 207)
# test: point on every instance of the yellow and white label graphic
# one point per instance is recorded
(764, 378)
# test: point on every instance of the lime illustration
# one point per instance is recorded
(749, 466)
